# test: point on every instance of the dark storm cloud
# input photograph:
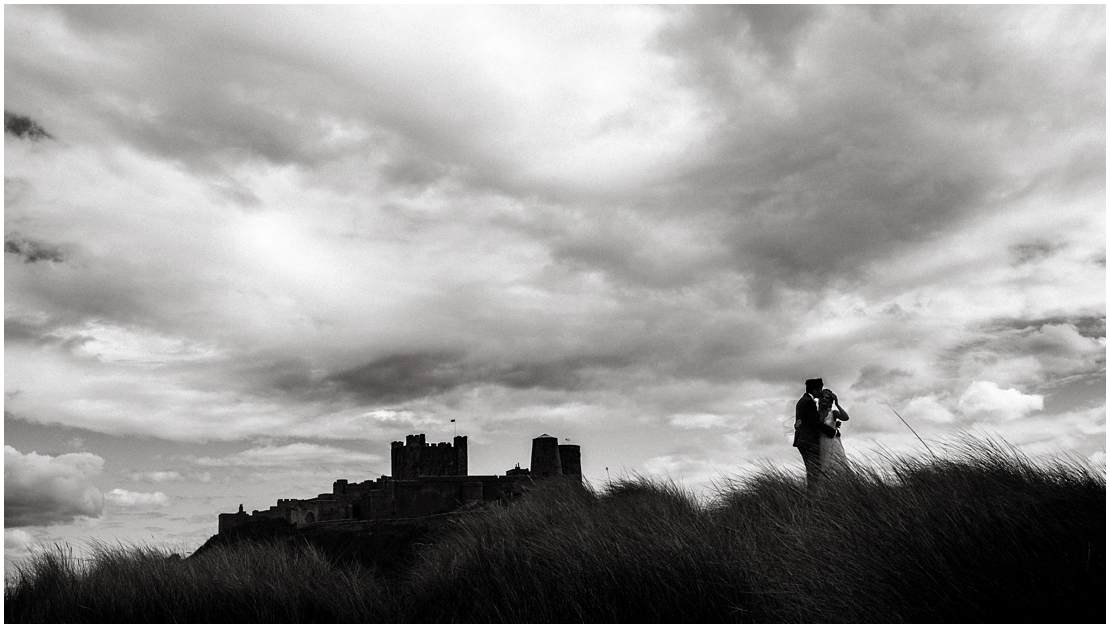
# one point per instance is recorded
(197, 96)
(414, 172)
(1058, 350)
(873, 376)
(31, 251)
(24, 127)
(708, 37)
(1027, 252)
(210, 127)
(105, 294)
(231, 85)
(41, 333)
(882, 133)
(275, 376)
(776, 28)
(632, 251)
(832, 146)
(404, 377)
(16, 330)
(1088, 326)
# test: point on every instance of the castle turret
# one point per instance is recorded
(545, 456)
(570, 457)
(396, 459)
(461, 467)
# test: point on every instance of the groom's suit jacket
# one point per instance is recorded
(807, 423)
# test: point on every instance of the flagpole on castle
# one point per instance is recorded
(455, 426)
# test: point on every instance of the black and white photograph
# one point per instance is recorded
(533, 313)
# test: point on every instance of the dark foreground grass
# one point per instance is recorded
(980, 536)
(252, 582)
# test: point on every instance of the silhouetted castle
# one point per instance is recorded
(426, 480)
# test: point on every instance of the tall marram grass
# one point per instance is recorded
(986, 536)
(252, 582)
(980, 535)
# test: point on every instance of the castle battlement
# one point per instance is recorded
(415, 458)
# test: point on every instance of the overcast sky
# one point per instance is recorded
(253, 245)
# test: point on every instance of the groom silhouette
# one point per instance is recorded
(808, 428)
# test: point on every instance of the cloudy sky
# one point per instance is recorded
(247, 247)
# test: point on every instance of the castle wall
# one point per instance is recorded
(233, 520)
(385, 499)
(430, 496)
(504, 487)
(427, 480)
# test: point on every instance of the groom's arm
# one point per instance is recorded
(806, 412)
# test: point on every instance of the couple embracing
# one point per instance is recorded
(817, 419)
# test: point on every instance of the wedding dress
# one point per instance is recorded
(833, 458)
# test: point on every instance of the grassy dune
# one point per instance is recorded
(982, 535)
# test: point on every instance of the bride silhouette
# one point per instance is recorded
(833, 458)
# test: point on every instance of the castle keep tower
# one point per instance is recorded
(545, 456)
(415, 458)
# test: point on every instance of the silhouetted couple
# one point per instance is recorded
(817, 419)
